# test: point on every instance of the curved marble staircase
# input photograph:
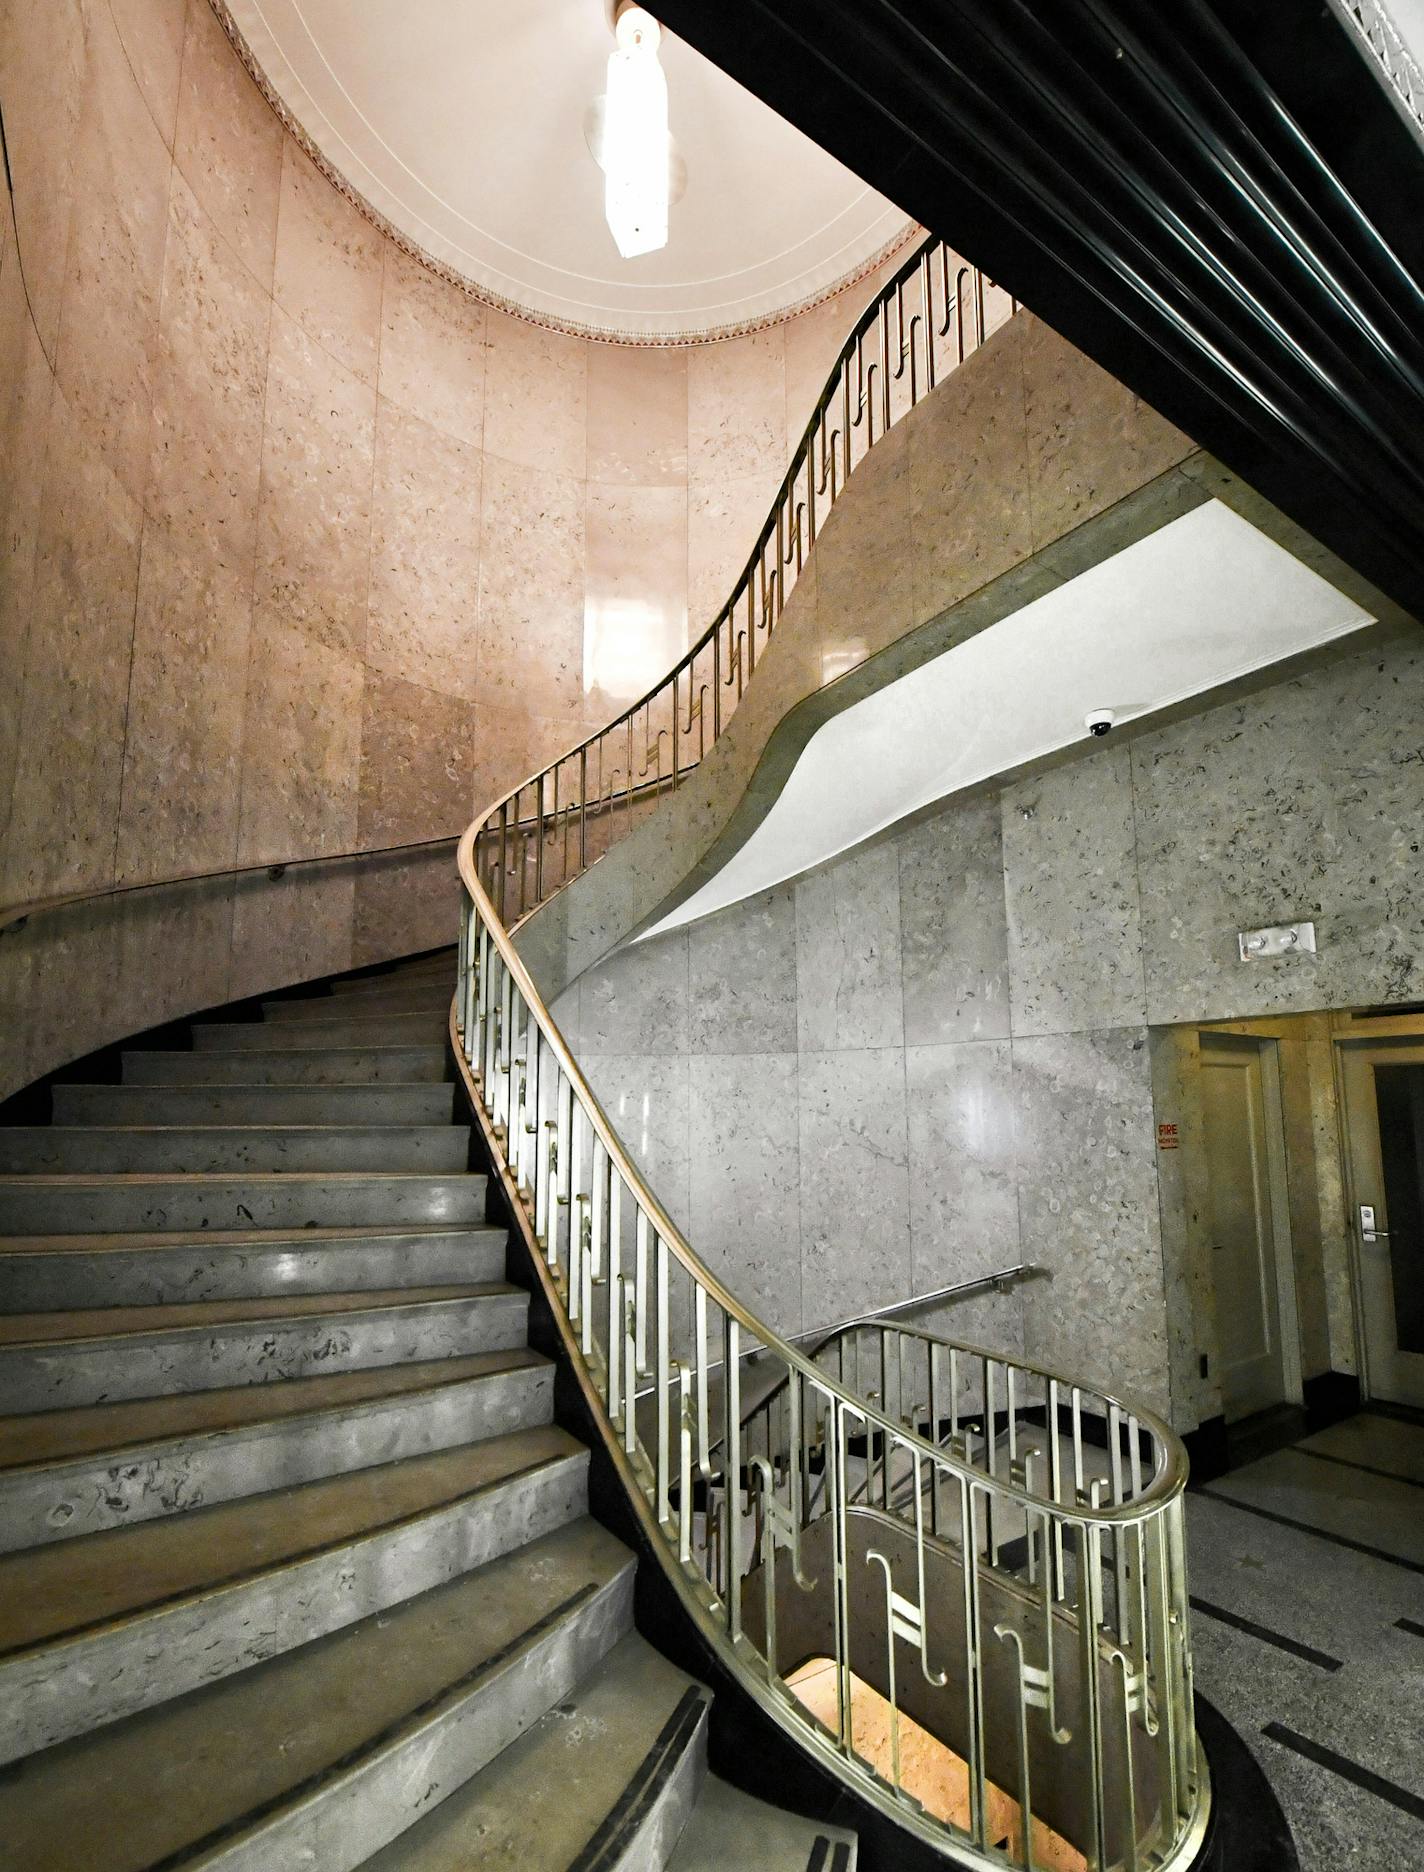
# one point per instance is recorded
(296, 1569)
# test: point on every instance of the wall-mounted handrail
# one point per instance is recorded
(15, 916)
(647, 1322)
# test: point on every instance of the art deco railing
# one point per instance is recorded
(994, 1550)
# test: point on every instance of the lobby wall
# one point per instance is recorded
(304, 550)
(938, 1055)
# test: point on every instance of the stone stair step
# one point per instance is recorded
(425, 1027)
(729, 1828)
(60, 1477)
(61, 1361)
(283, 1065)
(627, 1755)
(81, 1205)
(407, 998)
(93, 1629)
(53, 1273)
(321, 1755)
(205, 1150)
(434, 967)
(372, 1104)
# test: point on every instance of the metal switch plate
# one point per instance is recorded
(1280, 939)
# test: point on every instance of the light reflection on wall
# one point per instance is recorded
(628, 646)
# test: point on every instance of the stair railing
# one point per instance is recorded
(1062, 1683)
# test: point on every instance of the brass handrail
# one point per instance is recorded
(633, 1302)
(15, 916)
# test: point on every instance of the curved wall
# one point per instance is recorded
(304, 549)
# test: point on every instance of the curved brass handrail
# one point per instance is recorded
(634, 1301)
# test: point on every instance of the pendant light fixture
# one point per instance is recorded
(634, 151)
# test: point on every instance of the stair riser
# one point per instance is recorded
(651, 1844)
(249, 1105)
(60, 1376)
(42, 1283)
(433, 968)
(89, 1496)
(317, 1066)
(432, 998)
(74, 1685)
(341, 1825)
(285, 1202)
(425, 1029)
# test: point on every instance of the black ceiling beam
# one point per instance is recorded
(1214, 199)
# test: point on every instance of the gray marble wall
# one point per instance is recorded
(940, 1054)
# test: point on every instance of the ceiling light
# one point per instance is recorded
(635, 137)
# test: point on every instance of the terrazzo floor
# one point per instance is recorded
(1307, 1582)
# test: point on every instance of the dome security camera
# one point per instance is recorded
(1099, 721)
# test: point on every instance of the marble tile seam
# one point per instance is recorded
(1305, 1527)
(1346, 1462)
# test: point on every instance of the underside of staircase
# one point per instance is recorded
(296, 1567)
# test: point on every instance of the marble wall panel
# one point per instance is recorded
(417, 763)
(1304, 802)
(813, 343)
(1090, 440)
(76, 676)
(953, 933)
(1075, 950)
(724, 520)
(432, 349)
(743, 973)
(636, 1002)
(47, 976)
(855, 1194)
(152, 34)
(531, 602)
(109, 317)
(1088, 1209)
(635, 593)
(744, 1200)
(425, 555)
(964, 1218)
(44, 56)
(637, 416)
(511, 744)
(404, 905)
(848, 953)
(209, 387)
(187, 696)
(968, 487)
(302, 748)
(536, 396)
(290, 929)
(26, 391)
(647, 1100)
(736, 408)
(314, 522)
(228, 144)
(327, 270)
(191, 928)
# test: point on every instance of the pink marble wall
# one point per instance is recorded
(301, 549)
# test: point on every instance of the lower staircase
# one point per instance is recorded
(296, 1568)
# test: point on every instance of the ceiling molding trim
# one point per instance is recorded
(571, 328)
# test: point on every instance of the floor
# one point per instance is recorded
(1307, 1581)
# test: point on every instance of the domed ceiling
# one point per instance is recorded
(461, 123)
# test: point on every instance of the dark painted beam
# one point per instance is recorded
(1214, 199)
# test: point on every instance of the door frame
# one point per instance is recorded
(1403, 1031)
(1268, 1055)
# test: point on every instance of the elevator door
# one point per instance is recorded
(1384, 1104)
(1245, 1222)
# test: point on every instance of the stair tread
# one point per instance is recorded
(110, 1322)
(49, 1437)
(730, 1828)
(593, 1748)
(124, 1179)
(126, 1796)
(146, 1241)
(47, 1593)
